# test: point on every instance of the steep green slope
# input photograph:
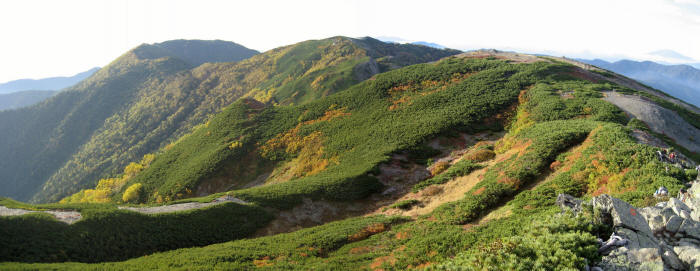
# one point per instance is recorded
(48, 134)
(330, 145)
(152, 106)
(563, 139)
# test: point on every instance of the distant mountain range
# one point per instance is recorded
(51, 83)
(20, 99)
(681, 81)
(429, 44)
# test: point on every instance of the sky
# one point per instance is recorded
(41, 39)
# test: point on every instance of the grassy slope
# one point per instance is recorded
(607, 160)
(148, 98)
(363, 133)
(453, 104)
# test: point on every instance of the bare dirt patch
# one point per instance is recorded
(659, 119)
(514, 57)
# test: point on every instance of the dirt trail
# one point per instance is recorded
(181, 206)
(68, 217)
(71, 217)
(431, 198)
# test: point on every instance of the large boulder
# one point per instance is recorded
(688, 253)
(623, 214)
(691, 229)
(674, 223)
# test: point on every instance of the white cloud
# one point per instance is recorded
(49, 38)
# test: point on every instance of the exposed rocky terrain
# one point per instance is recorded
(659, 119)
(661, 237)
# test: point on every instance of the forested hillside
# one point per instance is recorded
(23, 98)
(453, 165)
(155, 94)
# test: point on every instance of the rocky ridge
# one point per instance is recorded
(661, 237)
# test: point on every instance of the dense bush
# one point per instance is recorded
(108, 234)
(557, 243)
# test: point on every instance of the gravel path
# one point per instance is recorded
(659, 119)
(182, 206)
(71, 217)
(68, 217)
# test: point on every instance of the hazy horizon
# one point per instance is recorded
(84, 34)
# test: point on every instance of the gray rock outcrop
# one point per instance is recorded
(661, 237)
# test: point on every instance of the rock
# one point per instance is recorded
(690, 228)
(645, 255)
(568, 202)
(685, 214)
(650, 212)
(690, 240)
(671, 259)
(667, 213)
(623, 214)
(656, 223)
(678, 206)
(689, 254)
(674, 223)
(662, 204)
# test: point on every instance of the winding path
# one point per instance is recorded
(70, 217)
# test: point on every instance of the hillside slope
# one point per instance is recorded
(681, 81)
(511, 131)
(23, 98)
(156, 96)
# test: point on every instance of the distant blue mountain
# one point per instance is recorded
(680, 81)
(429, 44)
(52, 83)
(24, 98)
(671, 54)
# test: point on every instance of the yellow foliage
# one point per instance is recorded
(132, 193)
(309, 149)
(147, 159)
(235, 145)
(132, 169)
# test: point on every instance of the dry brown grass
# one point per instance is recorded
(432, 190)
(439, 167)
(481, 155)
(367, 232)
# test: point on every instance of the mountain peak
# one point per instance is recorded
(195, 52)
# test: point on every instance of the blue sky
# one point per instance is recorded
(53, 38)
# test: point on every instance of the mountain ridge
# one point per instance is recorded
(51, 83)
(158, 97)
(681, 81)
(440, 164)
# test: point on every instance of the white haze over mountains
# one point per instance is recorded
(54, 38)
